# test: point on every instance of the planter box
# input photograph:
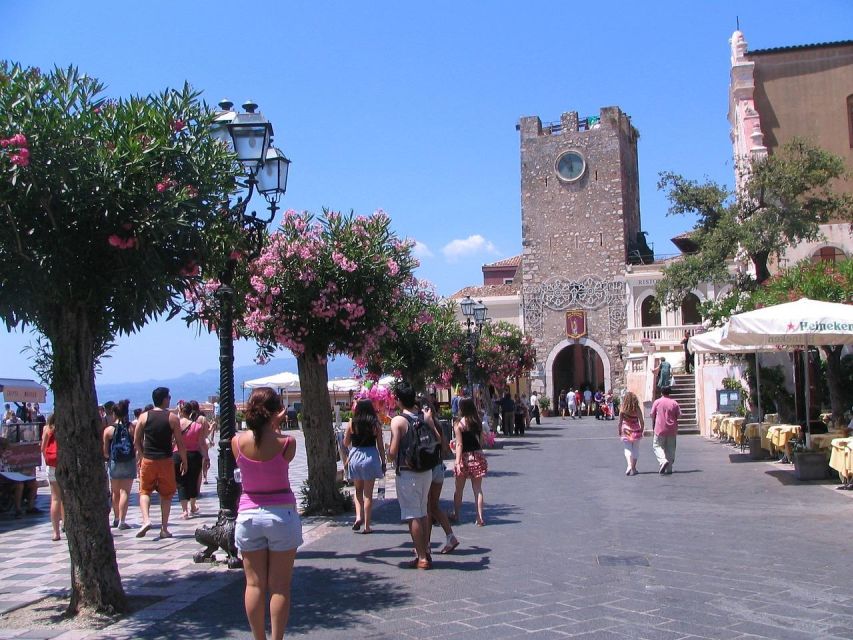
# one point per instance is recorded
(811, 465)
(755, 450)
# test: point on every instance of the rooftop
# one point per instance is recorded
(800, 47)
(515, 261)
(487, 291)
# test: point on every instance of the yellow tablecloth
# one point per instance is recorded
(732, 427)
(716, 420)
(824, 440)
(841, 456)
(759, 430)
(780, 434)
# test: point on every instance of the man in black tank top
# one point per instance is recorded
(152, 439)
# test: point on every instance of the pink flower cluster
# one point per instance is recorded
(343, 262)
(381, 397)
(122, 243)
(166, 184)
(19, 143)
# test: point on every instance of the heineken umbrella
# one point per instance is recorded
(804, 323)
(712, 342)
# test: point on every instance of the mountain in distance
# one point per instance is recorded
(200, 386)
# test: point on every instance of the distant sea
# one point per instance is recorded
(200, 386)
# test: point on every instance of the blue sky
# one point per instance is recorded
(412, 107)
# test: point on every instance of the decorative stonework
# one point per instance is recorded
(588, 292)
(618, 314)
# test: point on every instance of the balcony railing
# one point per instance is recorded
(671, 335)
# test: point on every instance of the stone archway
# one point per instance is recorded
(570, 355)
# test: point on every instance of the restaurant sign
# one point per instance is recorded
(575, 324)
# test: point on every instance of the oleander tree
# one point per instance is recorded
(110, 210)
(326, 285)
(827, 281)
(415, 348)
(504, 353)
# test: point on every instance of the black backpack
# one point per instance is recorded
(419, 449)
(121, 447)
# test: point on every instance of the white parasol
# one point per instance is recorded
(803, 323)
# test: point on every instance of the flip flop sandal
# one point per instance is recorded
(449, 547)
(145, 529)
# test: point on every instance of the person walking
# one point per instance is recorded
(412, 485)
(520, 416)
(630, 430)
(598, 399)
(194, 433)
(436, 513)
(366, 460)
(471, 463)
(152, 441)
(563, 404)
(663, 375)
(507, 414)
(664, 414)
(121, 461)
(268, 529)
(688, 356)
(571, 404)
(534, 407)
(50, 452)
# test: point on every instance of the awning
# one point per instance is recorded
(16, 390)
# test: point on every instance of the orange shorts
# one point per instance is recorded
(159, 476)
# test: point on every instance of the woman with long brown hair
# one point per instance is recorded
(49, 451)
(366, 461)
(268, 529)
(470, 460)
(630, 430)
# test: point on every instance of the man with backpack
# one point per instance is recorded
(415, 448)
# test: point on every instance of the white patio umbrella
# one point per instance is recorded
(284, 381)
(712, 342)
(804, 323)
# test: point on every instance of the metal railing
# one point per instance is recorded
(668, 335)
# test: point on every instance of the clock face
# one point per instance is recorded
(570, 166)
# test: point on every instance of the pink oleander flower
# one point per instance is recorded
(20, 159)
(191, 191)
(191, 268)
(236, 254)
(115, 241)
(178, 124)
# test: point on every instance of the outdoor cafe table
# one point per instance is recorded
(780, 434)
(759, 430)
(841, 457)
(716, 420)
(824, 440)
(733, 428)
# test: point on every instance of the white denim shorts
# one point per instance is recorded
(413, 493)
(276, 528)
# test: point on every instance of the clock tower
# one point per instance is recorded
(580, 220)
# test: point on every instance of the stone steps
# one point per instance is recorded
(684, 393)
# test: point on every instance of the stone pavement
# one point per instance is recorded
(723, 548)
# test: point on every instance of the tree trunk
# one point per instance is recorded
(95, 581)
(833, 380)
(323, 496)
(759, 261)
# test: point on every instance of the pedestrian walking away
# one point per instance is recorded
(571, 404)
(366, 460)
(152, 441)
(194, 432)
(121, 462)
(630, 430)
(268, 528)
(471, 463)
(436, 513)
(534, 407)
(413, 481)
(50, 452)
(664, 414)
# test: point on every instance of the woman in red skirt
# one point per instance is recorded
(470, 460)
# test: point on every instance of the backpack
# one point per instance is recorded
(419, 449)
(121, 447)
(50, 451)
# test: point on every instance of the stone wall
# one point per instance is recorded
(575, 234)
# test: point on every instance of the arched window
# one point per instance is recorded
(828, 254)
(690, 310)
(850, 118)
(650, 312)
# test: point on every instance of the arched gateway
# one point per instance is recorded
(577, 363)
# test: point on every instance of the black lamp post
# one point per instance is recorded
(475, 316)
(249, 136)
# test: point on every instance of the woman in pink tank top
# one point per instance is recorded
(268, 529)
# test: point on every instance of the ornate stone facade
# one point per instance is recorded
(580, 215)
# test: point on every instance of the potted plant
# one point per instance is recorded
(809, 464)
(545, 406)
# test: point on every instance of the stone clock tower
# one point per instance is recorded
(580, 218)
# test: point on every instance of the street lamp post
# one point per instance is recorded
(475, 316)
(249, 136)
